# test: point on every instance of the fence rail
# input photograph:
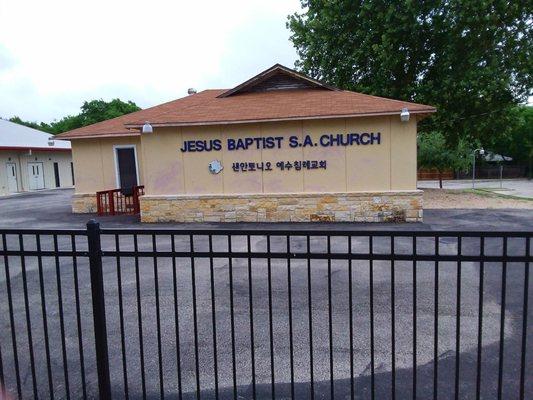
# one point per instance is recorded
(119, 201)
(155, 313)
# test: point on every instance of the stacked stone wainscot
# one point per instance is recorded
(84, 203)
(393, 206)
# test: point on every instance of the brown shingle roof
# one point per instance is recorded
(116, 126)
(281, 105)
(209, 108)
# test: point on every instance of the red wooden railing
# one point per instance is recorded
(119, 201)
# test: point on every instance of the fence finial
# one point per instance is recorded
(93, 224)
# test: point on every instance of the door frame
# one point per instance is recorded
(115, 156)
(72, 173)
(57, 176)
(16, 176)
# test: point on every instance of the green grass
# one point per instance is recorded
(495, 189)
(489, 192)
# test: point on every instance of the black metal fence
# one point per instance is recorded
(494, 172)
(264, 314)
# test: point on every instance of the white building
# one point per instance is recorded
(29, 160)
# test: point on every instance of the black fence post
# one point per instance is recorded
(97, 293)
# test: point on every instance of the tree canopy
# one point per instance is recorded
(517, 142)
(91, 112)
(471, 59)
(434, 153)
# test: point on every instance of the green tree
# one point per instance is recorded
(99, 110)
(517, 141)
(434, 153)
(91, 112)
(35, 125)
(472, 59)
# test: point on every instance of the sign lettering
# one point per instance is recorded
(276, 142)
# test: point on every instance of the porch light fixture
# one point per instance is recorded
(51, 141)
(147, 128)
(404, 115)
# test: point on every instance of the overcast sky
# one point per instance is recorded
(54, 54)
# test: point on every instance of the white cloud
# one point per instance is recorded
(55, 54)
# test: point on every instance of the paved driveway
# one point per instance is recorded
(51, 210)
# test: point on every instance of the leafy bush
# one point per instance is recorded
(434, 153)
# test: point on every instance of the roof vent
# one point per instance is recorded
(191, 91)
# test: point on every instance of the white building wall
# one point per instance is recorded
(47, 158)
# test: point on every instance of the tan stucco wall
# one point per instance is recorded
(47, 158)
(94, 163)
(373, 182)
(390, 165)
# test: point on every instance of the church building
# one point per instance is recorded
(279, 147)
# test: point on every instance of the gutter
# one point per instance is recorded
(15, 148)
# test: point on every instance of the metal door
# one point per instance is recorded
(11, 172)
(36, 175)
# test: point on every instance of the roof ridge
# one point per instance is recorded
(268, 73)
(25, 126)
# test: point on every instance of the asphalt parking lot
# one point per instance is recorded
(51, 210)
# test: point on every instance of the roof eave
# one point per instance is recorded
(420, 113)
(33, 148)
(96, 136)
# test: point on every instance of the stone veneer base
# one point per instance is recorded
(390, 206)
(84, 203)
